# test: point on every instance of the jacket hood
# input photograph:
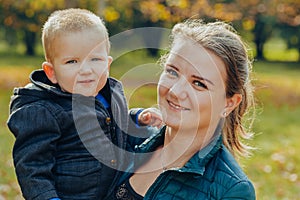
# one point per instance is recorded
(40, 80)
(40, 88)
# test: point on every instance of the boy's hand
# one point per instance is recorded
(150, 117)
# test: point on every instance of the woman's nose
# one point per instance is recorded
(180, 89)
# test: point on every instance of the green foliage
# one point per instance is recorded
(276, 49)
(22, 20)
(26, 18)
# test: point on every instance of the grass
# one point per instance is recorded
(9, 188)
(276, 49)
(274, 166)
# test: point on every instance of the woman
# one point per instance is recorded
(203, 93)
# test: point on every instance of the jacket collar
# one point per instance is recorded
(200, 159)
(39, 81)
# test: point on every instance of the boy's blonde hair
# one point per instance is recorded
(70, 20)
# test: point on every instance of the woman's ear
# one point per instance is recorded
(49, 71)
(231, 104)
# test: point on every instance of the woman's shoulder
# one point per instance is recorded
(226, 164)
(228, 174)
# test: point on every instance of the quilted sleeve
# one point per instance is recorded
(241, 190)
(36, 131)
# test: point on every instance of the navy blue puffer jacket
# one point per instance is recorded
(212, 173)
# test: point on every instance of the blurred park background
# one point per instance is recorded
(270, 27)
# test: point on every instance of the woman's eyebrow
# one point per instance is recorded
(172, 66)
(201, 78)
(194, 76)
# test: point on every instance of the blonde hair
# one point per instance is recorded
(221, 39)
(70, 20)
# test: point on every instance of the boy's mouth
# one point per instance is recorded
(85, 81)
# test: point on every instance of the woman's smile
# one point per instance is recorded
(176, 107)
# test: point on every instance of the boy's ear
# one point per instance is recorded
(49, 71)
(110, 59)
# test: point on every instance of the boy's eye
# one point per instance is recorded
(71, 62)
(96, 59)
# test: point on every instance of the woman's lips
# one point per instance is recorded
(176, 106)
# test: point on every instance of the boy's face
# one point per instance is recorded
(81, 62)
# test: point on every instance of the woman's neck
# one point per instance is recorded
(181, 145)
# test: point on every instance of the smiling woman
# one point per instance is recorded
(193, 81)
(203, 94)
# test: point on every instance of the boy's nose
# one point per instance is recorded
(85, 69)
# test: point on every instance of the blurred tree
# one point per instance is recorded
(260, 17)
(27, 17)
(288, 16)
(128, 14)
(151, 14)
(165, 13)
(262, 32)
(291, 34)
(255, 16)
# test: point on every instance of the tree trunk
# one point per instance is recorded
(299, 54)
(259, 39)
(101, 8)
(30, 40)
(71, 3)
(152, 39)
(259, 49)
(262, 31)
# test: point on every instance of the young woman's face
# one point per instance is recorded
(81, 62)
(191, 90)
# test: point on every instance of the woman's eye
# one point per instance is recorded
(172, 72)
(71, 62)
(200, 84)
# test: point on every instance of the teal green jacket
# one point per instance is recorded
(212, 173)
